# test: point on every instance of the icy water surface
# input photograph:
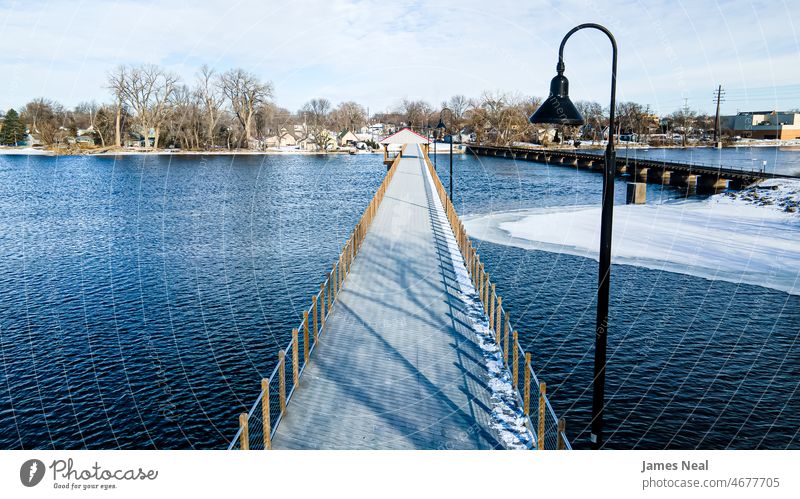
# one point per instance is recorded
(143, 298)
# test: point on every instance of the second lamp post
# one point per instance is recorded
(442, 127)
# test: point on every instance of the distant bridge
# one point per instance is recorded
(407, 344)
(704, 177)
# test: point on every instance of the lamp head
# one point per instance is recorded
(441, 123)
(558, 109)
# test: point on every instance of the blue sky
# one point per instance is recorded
(377, 53)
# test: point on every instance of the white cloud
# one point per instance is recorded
(379, 52)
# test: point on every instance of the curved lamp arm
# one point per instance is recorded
(560, 69)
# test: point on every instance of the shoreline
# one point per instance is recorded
(37, 151)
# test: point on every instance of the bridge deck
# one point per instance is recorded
(398, 365)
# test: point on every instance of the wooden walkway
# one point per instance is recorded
(398, 365)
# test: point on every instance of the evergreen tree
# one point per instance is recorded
(13, 132)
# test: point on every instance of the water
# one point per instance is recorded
(143, 298)
(693, 363)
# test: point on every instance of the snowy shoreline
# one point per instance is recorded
(748, 237)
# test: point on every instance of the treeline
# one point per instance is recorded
(152, 107)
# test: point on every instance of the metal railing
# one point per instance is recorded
(548, 430)
(257, 426)
(697, 167)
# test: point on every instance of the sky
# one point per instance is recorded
(671, 52)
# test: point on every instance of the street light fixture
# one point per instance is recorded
(442, 126)
(559, 109)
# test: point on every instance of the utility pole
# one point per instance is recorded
(717, 132)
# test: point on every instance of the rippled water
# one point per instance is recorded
(143, 298)
(693, 363)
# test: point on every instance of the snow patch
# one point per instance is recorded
(748, 237)
(508, 418)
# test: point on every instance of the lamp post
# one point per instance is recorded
(441, 125)
(559, 109)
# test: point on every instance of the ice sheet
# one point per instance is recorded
(749, 237)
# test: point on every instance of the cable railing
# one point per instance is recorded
(257, 426)
(548, 430)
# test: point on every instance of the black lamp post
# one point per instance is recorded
(441, 125)
(559, 109)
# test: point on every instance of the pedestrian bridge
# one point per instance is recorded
(407, 344)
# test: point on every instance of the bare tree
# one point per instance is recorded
(117, 82)
(317, 112)
(684, 119)
(595, 118)
(349, 116)
(148, 90)
(245, 93)
(459, 105)
(415, 113)
(47, 119)
(211, 100)
(500, 118)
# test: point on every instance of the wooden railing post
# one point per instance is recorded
(481, 282)
(322, 307)
(244, 435)
(265, 416)
(328, 293)
(295, 358)
(562, 427)
(282, 380)
(305, 337)
(498, 330)
(542, 394)
(485, 288)
(526, 403)
(491, 299)
(515, 365)
(316, 322)
(505, 342)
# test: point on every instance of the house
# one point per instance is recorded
(284, 138)
(311, 143)
(347, 138)
(763, 125)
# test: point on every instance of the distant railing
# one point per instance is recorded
(257, 426)
(548, 430)
(598, 155)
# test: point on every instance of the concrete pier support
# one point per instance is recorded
(657, 176)
(640, 173)
(712, 183)
(739, 183)
(622, 168)
(585, 163)
(679, 179)
(636, 193)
